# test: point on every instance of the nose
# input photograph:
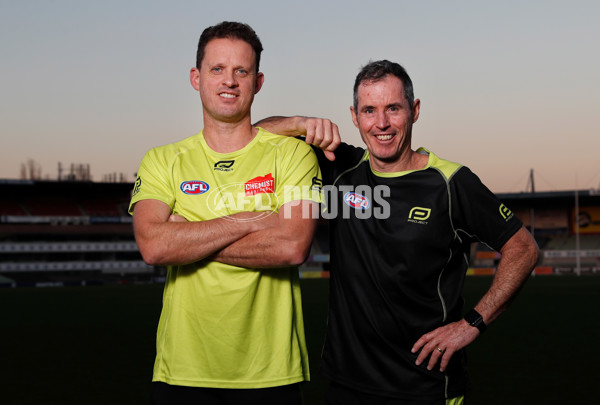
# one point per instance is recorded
(229, 78)
(382, 120)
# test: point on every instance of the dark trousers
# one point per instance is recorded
(165, 394)
(341, 395)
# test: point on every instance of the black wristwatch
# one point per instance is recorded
(475, 319)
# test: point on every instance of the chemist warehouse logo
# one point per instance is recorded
(419, 215)
(260, 185)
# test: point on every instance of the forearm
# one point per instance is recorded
(288, 126)
(518, 260)
(265, 249)
(163, 242)
(318, 132)
(285, 245)
(519, 256)
(181, 243)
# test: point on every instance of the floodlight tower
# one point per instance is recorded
(576, 226)
(531, 186)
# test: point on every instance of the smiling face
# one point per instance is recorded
(227, 80)
(384, 119)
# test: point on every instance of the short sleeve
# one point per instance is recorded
(301, 176)
(152, 181)
(479, 213)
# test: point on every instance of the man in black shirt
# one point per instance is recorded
(402, 223)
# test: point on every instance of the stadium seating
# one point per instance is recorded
(102, 208)
(80, 222)
(8, 207)
(52, 206)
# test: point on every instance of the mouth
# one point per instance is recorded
(384, 137)
(227, 95)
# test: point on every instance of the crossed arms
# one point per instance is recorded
(247, 239)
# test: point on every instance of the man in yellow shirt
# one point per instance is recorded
(231, 328)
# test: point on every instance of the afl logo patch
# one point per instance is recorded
(356, 201)
(194, 187)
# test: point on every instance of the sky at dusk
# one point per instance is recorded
(505, 86)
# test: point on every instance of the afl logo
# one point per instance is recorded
(194, 187)
(357, 201)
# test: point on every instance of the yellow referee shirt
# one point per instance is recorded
(225, 326)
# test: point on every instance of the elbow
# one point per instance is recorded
(291, 253)
(149, 258)
(533, 252)
(530, 256)
(535, 255)
(296, 254)
(151, 255)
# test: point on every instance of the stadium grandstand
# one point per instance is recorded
(67, 233)
(79, 233)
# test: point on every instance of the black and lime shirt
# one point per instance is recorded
(400, 246)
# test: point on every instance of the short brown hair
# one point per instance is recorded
(377, 70)
(232, 30)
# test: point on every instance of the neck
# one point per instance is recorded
(409, 160)
(226, 137)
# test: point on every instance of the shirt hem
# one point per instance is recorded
(390, 394)
(231, 384)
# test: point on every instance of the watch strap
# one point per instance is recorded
(475, 319)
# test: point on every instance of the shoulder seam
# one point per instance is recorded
(446, 168)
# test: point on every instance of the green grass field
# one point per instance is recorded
(95, 345)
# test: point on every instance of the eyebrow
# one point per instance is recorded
(367, 107)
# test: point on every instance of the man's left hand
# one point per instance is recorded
(443, 342)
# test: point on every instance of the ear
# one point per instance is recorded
(416, 110)
(260, 79)
(354, 117)
(195, 78)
